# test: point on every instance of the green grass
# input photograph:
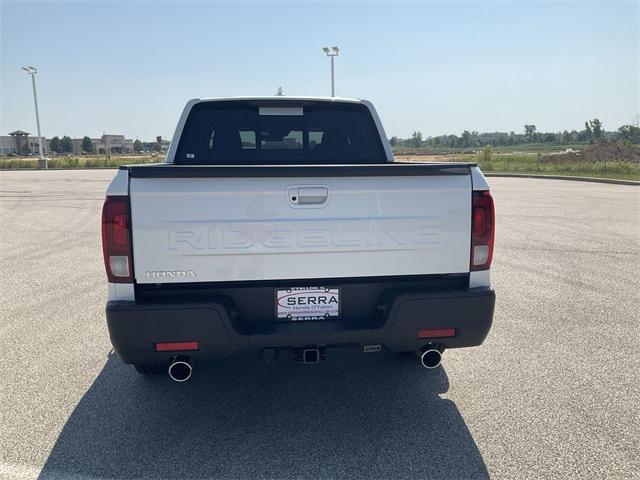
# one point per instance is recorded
(538, 147)
(500, 163)
(528, 164)
(77, 162)
(531, 148)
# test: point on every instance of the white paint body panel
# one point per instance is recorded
(480, 278)
(119, 185)
(121, 291)
(479, 180)
(232, 229)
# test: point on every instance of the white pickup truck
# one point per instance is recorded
(284, 224)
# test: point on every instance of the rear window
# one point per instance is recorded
(248, 132)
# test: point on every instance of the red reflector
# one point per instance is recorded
(176, 346)
(438, 333)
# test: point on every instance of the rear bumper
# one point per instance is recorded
(135, 328)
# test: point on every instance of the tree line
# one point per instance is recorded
(592, 132)
(65, 145)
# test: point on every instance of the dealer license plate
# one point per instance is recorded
(307, 303)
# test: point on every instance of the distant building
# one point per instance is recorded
(21, 140)
(20, 143)
(160, 145)
(108, 144)
(7, 145)
(77, 146)
(34, 146)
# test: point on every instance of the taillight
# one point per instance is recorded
(116, 239)
(482, 230)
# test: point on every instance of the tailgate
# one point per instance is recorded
(248, 228)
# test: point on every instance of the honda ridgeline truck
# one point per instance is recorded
(284, 224)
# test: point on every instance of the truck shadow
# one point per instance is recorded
(356, 416)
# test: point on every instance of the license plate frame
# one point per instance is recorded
(310, 304)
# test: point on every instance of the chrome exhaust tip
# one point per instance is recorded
(180, 369)
(430, 356)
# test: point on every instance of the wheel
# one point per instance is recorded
(150, 369)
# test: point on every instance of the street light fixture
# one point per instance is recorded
(42, 161)
(332, 53)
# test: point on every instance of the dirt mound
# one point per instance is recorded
(602, 151)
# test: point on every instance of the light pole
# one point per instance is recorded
(331, 53)
(42, 161)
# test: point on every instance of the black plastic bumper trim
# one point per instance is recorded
(135, 328)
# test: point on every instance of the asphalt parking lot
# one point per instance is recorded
(553, 392)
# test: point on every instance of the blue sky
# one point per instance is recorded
(434, 67)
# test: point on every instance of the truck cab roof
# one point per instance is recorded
(280, 98)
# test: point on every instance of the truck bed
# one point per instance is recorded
(391, 169)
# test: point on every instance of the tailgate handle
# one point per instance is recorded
(309, 195)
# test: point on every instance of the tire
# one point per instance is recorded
(150, 369)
